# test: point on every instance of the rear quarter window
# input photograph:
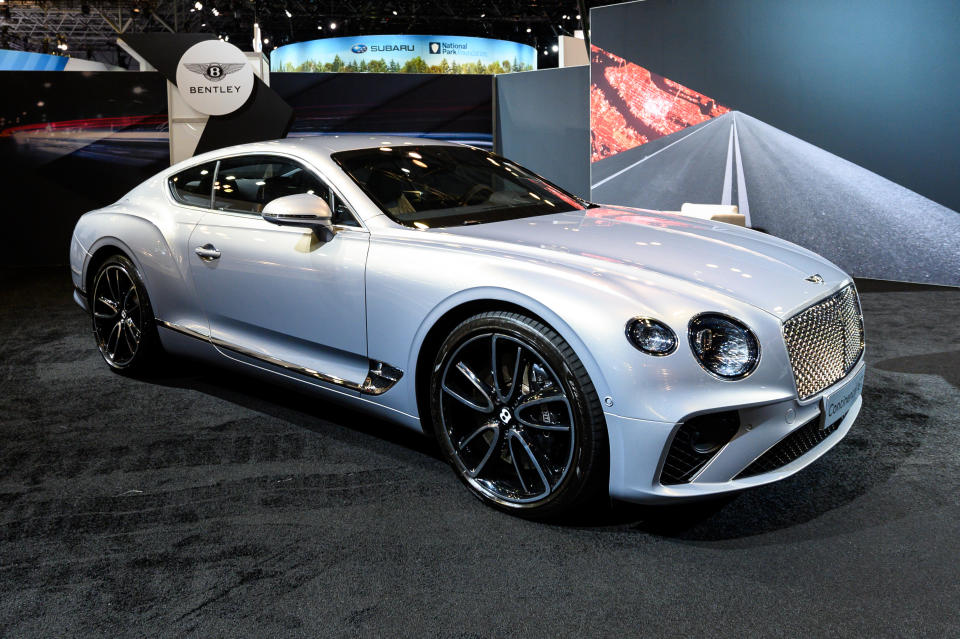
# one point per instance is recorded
(194, 186)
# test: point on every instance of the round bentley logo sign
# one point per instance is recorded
(214, 78)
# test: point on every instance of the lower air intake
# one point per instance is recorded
(792, 447)
(696, 442)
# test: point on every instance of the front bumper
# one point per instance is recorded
(638, 449)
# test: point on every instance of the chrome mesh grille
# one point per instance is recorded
(825, 341)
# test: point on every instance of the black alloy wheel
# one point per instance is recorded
(517, 416)
(123, 322)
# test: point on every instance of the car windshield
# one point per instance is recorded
(432, 185)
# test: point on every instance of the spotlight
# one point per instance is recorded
(198, 5)
(319, 27)
(529, 29)
(287, 11)
(554, 48)
(394, 12)
(215, 12)
(266, 40)
(226, 38)
(333, 26)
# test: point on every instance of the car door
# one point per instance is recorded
(279, 294)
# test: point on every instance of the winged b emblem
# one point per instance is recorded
(214, 71)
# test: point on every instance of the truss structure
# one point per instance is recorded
(90, 29)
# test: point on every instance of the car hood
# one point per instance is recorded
(753, 267)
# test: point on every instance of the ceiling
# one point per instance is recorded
(90, 29)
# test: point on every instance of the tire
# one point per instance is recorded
(123, 320)
(529, 439)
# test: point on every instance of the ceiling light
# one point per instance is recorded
(554, 48)
(198, 6)
(287, 11)
(333, 25)
(394, 12)
(529, 29)
(266, 40)
(216, 13)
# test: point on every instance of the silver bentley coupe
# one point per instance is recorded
(558, 351)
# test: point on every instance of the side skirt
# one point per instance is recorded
(381, 376)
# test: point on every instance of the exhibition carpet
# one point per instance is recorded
(202, 503)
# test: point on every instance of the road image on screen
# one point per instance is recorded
(658, 144)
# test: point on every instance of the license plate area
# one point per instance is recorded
(836, 404)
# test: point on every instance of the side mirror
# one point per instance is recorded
(304, 209)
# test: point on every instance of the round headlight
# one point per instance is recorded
(651, 336)
(723, 346)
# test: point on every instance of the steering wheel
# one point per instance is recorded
(470, 197)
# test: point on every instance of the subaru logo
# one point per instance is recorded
(359, 48)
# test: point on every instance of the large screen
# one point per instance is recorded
(832, 125)
(405, 54)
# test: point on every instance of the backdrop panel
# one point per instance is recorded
(72, 142)
(840, 133)
(542, 121)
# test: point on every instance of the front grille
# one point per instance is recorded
(798, 443)
(825, 341)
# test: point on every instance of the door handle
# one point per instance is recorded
(207, 252)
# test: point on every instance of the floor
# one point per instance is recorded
(205, 504)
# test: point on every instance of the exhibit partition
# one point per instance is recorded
(541, 123)
(832, 125)
(72, 142)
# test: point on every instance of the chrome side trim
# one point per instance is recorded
(380, 378)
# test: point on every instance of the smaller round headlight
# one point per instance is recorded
(651, 336)
(723, 346)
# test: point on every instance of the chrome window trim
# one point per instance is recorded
(307, 165)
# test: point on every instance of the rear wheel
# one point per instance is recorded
(123, 322)
(517, 416)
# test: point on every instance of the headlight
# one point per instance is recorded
(651, 336)
(723, 346)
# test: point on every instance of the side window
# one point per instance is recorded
(193, 186)
(246, 184)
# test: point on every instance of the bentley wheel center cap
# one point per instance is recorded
(505, 415)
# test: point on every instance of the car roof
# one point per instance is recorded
(314, 147)
(354, 141)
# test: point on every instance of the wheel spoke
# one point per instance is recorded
(516, 436)
(490, 449)
(503, 396)
(545, 396)
(110, 285)
(465, 401)
(114, 337)
(132, 334)
(113, 306)
(475, 381)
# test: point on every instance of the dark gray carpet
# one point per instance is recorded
(199, 503)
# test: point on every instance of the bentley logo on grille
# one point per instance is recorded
(816, 278)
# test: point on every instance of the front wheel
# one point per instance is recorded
(123, 322)
(517, 417)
